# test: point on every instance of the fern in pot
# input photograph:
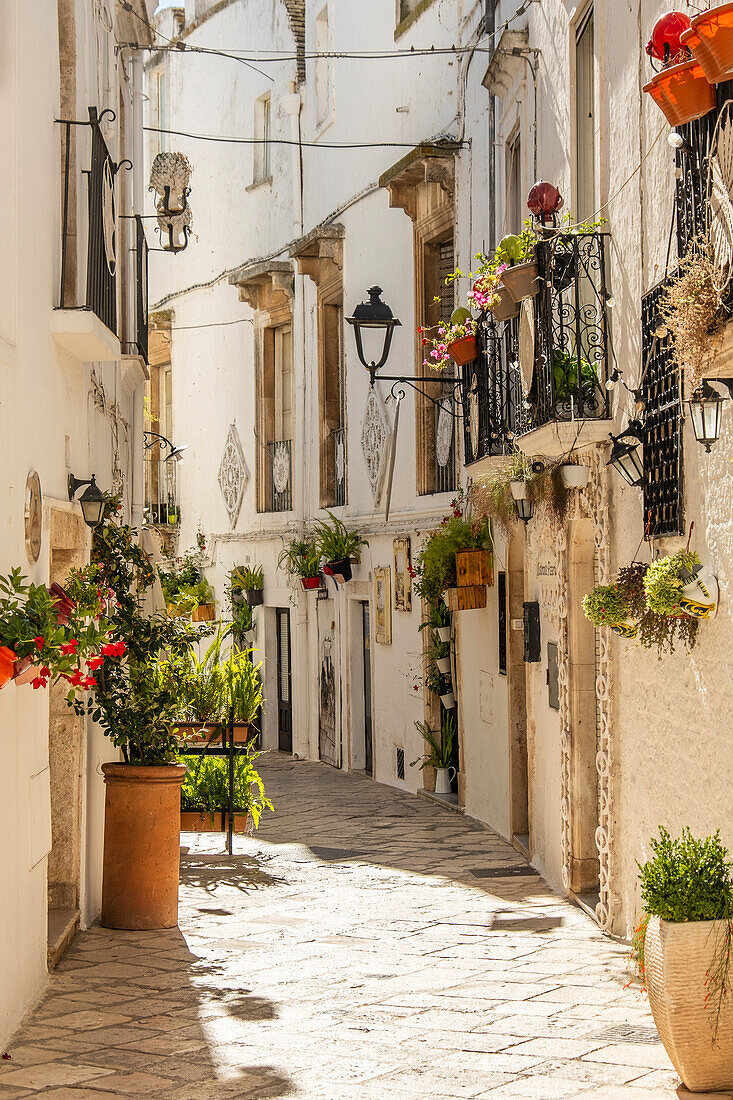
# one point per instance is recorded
(439, 751)
(251, 582)
(339, 545)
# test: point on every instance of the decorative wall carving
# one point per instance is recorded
(444, 433)
(374, 435)
(281, 467)
(233, 475)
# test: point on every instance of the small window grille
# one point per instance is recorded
(663, 509)
(400, 763)
(501, 593)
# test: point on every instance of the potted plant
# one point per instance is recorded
(301, 559)
(569, 385)
(664, 580)
(238, 607)
(454, 342)
(186, 590)
(251, 582)
(521, 276)
(683, 951)
(608, 605)
(216, 690)
(136, 702)
(575, 476)
(710, 40)
(681, 90)
(205, 792)
(439, 752)
(436, 568)
(439, 653)
(339, 546)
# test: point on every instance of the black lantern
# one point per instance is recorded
(706, 410)
(626, 458)
(374, 314)
(91, 501)
(525, 508)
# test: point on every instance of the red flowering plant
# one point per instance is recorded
(435, 348)
(56, 644)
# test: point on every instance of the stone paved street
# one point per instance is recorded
(348, 950)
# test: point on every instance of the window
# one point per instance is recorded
(332, 400)
(324, 68)
(262, 167)
(515, 209)
(284, 383)
(275, 418)
(585, 128)
(438, 304)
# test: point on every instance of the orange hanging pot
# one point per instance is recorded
(7, 665)
(463, 351)
(682, 92)
(710, 39)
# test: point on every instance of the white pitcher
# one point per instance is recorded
(443, 780)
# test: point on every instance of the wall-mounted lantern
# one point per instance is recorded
(92, 499)
(706, 411)
(176, 452)
(525, 508)
(626, 457)
(374, 314)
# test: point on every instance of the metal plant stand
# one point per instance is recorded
(229, 750)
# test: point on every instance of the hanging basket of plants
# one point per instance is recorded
(710, 40)
(682, 92)
(463, 351)
(522, 280)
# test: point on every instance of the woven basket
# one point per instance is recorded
(676, 960)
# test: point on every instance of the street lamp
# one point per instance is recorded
(176, 453)
(706, 409)
(374, 314)
(525, 509)
(92, 499)
(625, 457)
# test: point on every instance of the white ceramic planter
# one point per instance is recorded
(575, 477)
(443, 664)
(443, 633)
(448, 700)
(518, 489)
(677, 958)
(443, 780)
(699, 598)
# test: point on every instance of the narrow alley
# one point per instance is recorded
(365, 943)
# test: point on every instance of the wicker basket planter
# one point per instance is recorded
(204, 613)
(677, 958)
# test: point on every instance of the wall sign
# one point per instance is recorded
(383, 604)
(33, 517)
(402, 575)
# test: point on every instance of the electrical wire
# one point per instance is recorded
(220, 138)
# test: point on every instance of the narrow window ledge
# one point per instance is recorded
(256, 184)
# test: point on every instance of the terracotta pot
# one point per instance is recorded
(682, 93)
(63, 604)
(710, 39)
(463, 351)
(24, 671)
(7, 665)
(677, 958)
(507, 307)
(202, 821)
(141, 846)
(310, 583)
(204, 613)
(522, 281)
(254, 596)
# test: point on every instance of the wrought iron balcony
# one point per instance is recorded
(281, 474)
(549, 364)
(100, 277)
(161, 490)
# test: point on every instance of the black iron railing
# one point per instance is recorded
(571, 330)
(281, 476)
(161, 490)
(493, 402)
(141, 289)
(692, 188)
(339, 472)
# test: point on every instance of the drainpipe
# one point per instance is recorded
(490, 29)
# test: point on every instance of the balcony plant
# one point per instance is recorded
(664, 580)
(301, 559)
(518, 479)
(568, 385)
(339, 546)
(683, 951)
(521, 276)
(205, 791)
(251, 582)
(439, 751)
(454, 341)
(435, 565)
(217, 688)
(608, 605)
(136, 702)
(186, 590)
(238, 608)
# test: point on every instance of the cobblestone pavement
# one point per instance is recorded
(348, 950)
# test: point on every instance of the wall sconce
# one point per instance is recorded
(525, 509)
(374, 314)
(92, 499)
(706, 411)
(625, 457)
(176, 453)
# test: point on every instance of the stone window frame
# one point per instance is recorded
(405, 22)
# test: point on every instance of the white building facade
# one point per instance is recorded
(73, 365)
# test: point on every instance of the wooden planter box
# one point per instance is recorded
(197, 734)
(466, 599)
(201, 821)
(204, 613)
(474, 567)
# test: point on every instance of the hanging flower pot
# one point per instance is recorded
(339, 570)
(24, 671)
(63, 604)
(522, 281)
(310, 583)
(254, 597)
(682, 93)
(518, 490)
(7, 665)
(506, 308)
(463, 351)
(443, 665)
(628, 628)
(448, 700)
(443, 633)
(699, 598)
(575, 477)
(710, 40)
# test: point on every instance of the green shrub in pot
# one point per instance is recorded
(205, 786)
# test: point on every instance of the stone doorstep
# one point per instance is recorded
(62, 927)
(441, 801)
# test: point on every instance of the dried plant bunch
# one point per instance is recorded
(692, 309)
